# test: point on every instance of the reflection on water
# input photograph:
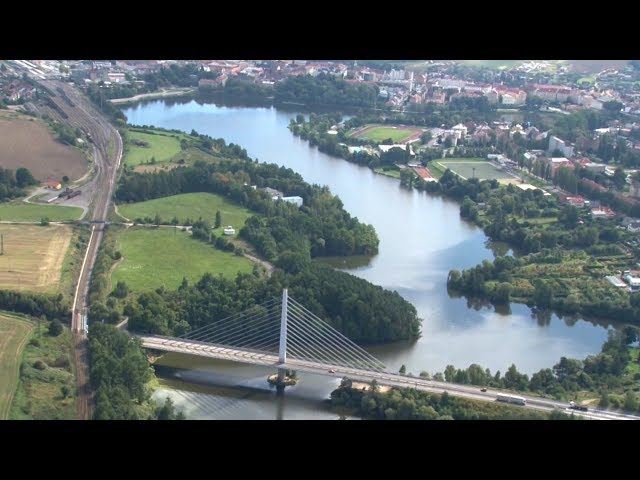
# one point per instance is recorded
(215, 389)
(347, 263)
(422, 238)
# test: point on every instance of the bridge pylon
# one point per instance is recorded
(282, 349)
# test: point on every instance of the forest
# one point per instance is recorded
(362, 311)
(119, 373)
(321, 226)
(611, 375)
(412, 404)
(324, 89)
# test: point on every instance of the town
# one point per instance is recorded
(186, 238)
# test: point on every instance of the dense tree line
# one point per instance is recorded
(320, 226)
(103, 309)
(35, 304)
(603, 374)
(119, 371)
(12, 184)
(412, 404)
(324, 89)
(362, 311)
(186, 75)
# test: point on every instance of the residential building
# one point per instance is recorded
(556, 143)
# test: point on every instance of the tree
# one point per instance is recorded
(450, 373)
(121, 290)
(55, 328)
(619, 178)
(24, 178)
(218, 222)
(157, 220)
(631, 401)
(65, 179)
(373, 386)
(403, 369)
(406, 177)
(167, 411)
(64, 390)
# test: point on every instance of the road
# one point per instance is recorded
(108, 154)
(271, 360)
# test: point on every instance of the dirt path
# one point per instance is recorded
(267, 266)
(115, 209)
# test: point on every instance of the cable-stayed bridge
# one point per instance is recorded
(283, 334)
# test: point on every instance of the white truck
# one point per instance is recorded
(514, 399)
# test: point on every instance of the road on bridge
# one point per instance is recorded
(204, 349)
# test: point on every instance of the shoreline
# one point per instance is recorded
(153, 95)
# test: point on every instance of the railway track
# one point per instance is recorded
(77, 111)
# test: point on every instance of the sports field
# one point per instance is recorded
(378, 133)
(33, 256)
(153, 257)
(14, 333)
(474, 168)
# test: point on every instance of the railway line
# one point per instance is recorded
(77, 111)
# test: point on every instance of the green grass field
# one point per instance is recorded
(189, 205)
(25, 212)
(39, 394)
(162, 146)
(153, 257)
(14, 333)
(395, 173)
(378, 134)
(465, 168)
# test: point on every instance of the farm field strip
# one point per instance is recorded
(14, 333)
(33, 256)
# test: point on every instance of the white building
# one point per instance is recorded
(386, 148)
(556, 143)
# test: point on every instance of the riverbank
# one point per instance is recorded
(422, 238)
(164, 93)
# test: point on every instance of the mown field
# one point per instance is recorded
(155, 257)
(395, 173)
(188, 205)
(33, 256)
(473, 168)
(46, 389)
(143, 147)
(26, 142)
(378, 133)
(19, 211)
(14, 333)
